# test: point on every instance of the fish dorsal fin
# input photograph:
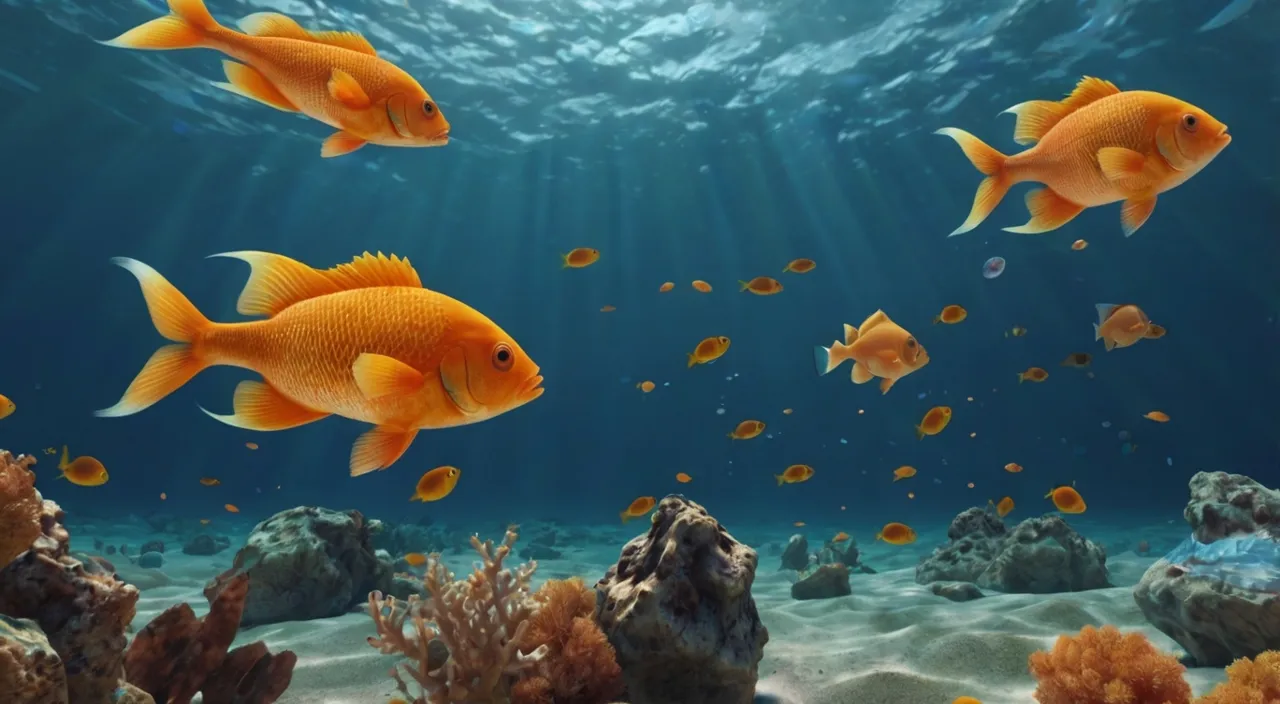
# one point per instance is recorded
(873, 320)
(1088, 90)
(374, 270)
(1037, 117)
(1105, 310)
(277, 282)
(850, 334)
(274, 24)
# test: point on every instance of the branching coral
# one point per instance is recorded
(1103, 666)
(481, 620)
(19, 506)
(580, 666)
(1254, 681)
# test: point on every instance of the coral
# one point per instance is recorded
(481, 620)
(30, 671)
(1103, 666)
(1249, 682)
(579, 666)
(19, 506)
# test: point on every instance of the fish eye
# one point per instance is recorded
(911, 343)
(428, 108)
(1189, 122)
(722, 339)
(503, 357)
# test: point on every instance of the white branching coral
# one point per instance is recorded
(480, 619)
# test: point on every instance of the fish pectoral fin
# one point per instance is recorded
(260, 406)
(886, 384)
(346, 90)
(1134, 213)
(274, 24)
(860, 374)
(1049, 211)
(1121, 165)
(340, 143)
(249, 82)
(379, 448)
(380, 376)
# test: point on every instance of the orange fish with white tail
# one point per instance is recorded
(1099, 145)
(362, 340)
(879, 348)
(334, 77)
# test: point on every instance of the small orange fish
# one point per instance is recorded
(1016, 331)
(840, 537)
(683, 478)
(879, 348)
(231, 508)
(911, 494)
(334, 77)
(965, 700)
(800, 266)
(415, 559)
(934, 421)
(82, 471)
(798, 524)
(702, 286)
(607, 309)
(794, 474)
(204, 521)
(210, 481)
(1157, 416)
(761, 286)
(638, 508)
(1155, 332)
(970, 485)
(163, 496)
(747, 429)
(709, 350)
(904, 472)
(1079, 245)
(1121, 325)
(1078, 360)
(1013, 468)
(1004, 507)
(646, 386)
(436, 484)
(251, 445)
(787, 411)
(896, 534)
(7, 407)
(951, 315)
(1035, 374)
(1066, 499)
(666, 287)
(580, 258)
(1097, 146)
(50, 451)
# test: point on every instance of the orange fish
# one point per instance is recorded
(1079, 245)
(1155, 332)
(210, 481)
(1097, 146)
(911, 494)
(840, 537)
(747, 429)
(794, 474)
(904, 472)
(1066, 499)
(897, 534)
(761, 286)
(1004, 507)
(1122, 325)
(82, 471)
(334, 77)
(879, 348)
(638, 508)
(204, 521)
(1035, 374)
(798, 524)
(646, 386)
(362, 340)
(231, 508)
(163, 496)
(666, 287)
(702, 286)
(683, 478)
(800, 266)
(970, 485)
(607, 309)
(7, 407)
(251, 445)
(934, 421)
(436, 484)
(415, 559)
(1078, 359)
(1157, 416)
(580, 257)
(965, 700)
(951, 315)
(709, 350)
(1013, 468)
(787, 411)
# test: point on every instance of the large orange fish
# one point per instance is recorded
(1099, 145)
(879, 348)
(334, 77)
(362, 340)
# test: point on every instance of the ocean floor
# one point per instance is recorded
(891, 642)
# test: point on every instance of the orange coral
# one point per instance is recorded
(1254, 681)
(19, 506)
(1104, 666)
(580, 666)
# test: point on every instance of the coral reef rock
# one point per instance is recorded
(1216, 594)
(796, 555)
(205, 544)
(20, 506)
(956, 591)
(309, 562)
(30, 670)
(822, 582)
(1039, 556)
(678, 610)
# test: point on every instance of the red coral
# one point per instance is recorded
(1254, 681)
(580, 666)
(1103, 666)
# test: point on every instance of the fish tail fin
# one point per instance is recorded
(171, 366)
(822, 360)
(564, 259)
(1097, 332)
(414, 498)
(920, 428)
(742, 285)
(991, 163)
(692, 361)
(1021, 377)
(780, 479)
(937, 319)
(623, 515)
(187, 27)
(66, 459)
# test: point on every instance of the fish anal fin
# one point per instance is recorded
(373, 270)
(340, 144)
(277, 282)
(850, 334)
(886, 384)
(380, 376)
(872, 320)
(274, 24)
(347, 90)
(1134, 213)
(260, 406)
(250, 83)
(860, 374)
(1108, 343)
(379, 448)
(1049, 211)
(1036, 118)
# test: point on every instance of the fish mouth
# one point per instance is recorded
(530, 389)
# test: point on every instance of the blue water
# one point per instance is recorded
(714, 142)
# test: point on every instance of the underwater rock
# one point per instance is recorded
(205, 544)
(678, 610)
(1218, 593)
(30, 669)
(796, 555)
(250, 674)
(151, 560)
(956, 591)
(823, 582)
(976, 536)
(152, 546)
(309, 562)
(844, 553)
